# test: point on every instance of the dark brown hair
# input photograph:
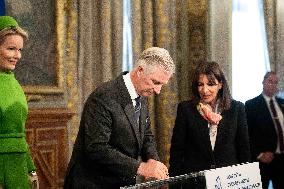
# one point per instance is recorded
(213, 71)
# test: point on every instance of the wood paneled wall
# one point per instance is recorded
(47, 137)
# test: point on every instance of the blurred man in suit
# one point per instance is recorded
(265, 121)
(115, 129)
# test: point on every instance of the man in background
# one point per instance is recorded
(115, 128)
(265, 122)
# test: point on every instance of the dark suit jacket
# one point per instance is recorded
(191, 148)
(108, 143)
(263, 135)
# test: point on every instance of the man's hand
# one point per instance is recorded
(153, 169)
(265, 157)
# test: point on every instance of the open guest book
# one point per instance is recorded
(240, 176)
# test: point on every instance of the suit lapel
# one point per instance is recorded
(128, 108)
(265, 111)
(143, 117)
(220, 130)
(280, 103)
(202, 126)
(129, 111)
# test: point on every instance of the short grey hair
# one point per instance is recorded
(156, 56)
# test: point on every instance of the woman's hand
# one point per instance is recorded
(33, 178)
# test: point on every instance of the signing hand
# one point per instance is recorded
(153, 169)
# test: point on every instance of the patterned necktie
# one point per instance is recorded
(137, 108)
(278, 125)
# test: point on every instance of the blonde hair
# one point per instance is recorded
(13, 31)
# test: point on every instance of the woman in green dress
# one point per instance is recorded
(16, 164)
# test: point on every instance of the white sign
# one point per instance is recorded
(241, 176)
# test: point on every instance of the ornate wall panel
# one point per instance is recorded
(48, 141)
(48, 54)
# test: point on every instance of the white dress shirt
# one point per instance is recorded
(130, 87)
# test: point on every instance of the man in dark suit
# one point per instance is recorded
(112, 137)
(265, 122)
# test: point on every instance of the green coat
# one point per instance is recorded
(14, 151)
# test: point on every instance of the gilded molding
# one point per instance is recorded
(60, 28)
(71, 66)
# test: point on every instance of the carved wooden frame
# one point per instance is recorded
(61, 28)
